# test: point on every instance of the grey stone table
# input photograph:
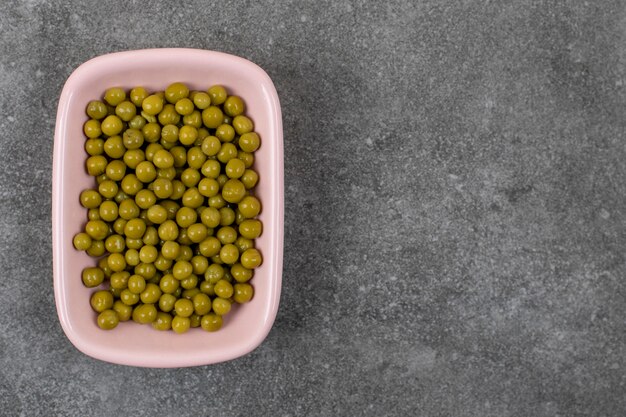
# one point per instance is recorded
(455, 225)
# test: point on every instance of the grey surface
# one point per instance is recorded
(455, 227)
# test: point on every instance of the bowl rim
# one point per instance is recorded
(80, 341)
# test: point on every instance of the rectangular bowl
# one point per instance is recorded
(246, 326)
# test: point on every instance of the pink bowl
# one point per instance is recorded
(132, 344)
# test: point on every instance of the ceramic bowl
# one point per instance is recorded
(247, 325)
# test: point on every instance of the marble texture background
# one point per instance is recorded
(454, 196)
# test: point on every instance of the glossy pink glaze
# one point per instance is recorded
(131, 344)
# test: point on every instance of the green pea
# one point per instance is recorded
(94, 146)
(108, 319)
(115, 244)
(97, 229)
(196, 158)
(210, 217)
(243, 293)
(128, 297)
(178, 190)
(181, 324)
(162, 188)
(151, 236)
(172, 207)
(137, 122)
(217, 94)
(212, 117)
(152, 105)
(168, 284)
(226, 235)
(182, 269)
(201, 100)
(148, 271)
(225, 132)
(157, 214)
(145, 172)
(229, 254)
(115, 170)
(101, 300)
(162, 322)
(148, 254)
(162, 264)
(90, 199)
(187, 135)
(184, 106)
(227, 152)
(207, 288)
(137, 95)
(251, 258)
(190, 177)
(233, 191)
(132, 157)
(82, 241)
(132, 243)
(168, 230)
(183, 307)
(108, 189)
(145, 199)
(125, 110)
(168, 116)
(92, 128)
(211, 322)
(151, 132)
(223, 289)
(145, 313)
(246, 157)
(114, 95)
(135, 228)
(234, 106)
(114, 147)
(244, 243)
(193, 119)
(96, 249)
(186, 216)
(176, 91)
(92, 277)
(170, 249)
(249, 142)
(227, 215)
(200, 264)
(180, 156)
(192, 198)
(96, 109)
(211, 145)
(132, 138)
(124, 312)
(96, 165)
(217, 201)
(235, 168)
(251, 228)
(241, 273)
(111, 125)
(249, 179)
(132, 257)
(197, 232)
(116, 262)
(242, 125)
(131, 185)
(221, 306)
(150, 294)
(93, 214)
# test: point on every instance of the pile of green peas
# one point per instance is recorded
(172, 215)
